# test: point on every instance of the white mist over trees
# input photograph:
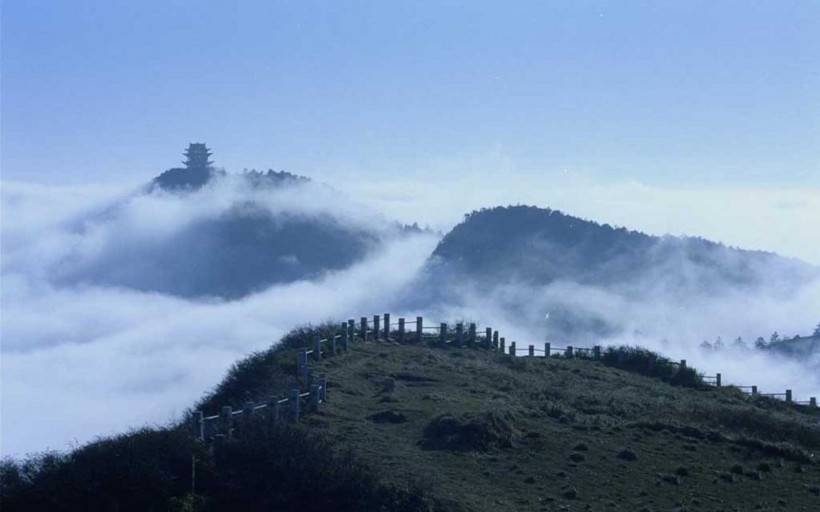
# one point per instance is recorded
(113, 301)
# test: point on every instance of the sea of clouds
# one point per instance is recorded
(81, 361)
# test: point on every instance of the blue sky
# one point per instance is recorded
(667, 93)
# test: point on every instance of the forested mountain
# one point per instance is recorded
(211, 234)
(539, 246)
(578, 281)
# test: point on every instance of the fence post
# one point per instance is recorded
(401, 330)
(344, 336)
(247, 419)
(459, 334)
(596, 352)
(683, 364)
(568, 353)
(717, 380)
(471, 334)
(226, 421)
(512, 348)
(351, 327)
(198, 425)
(323, 387)
(501, 343)
(275, 412)
(387, 327)
(754, 390)
(317, 348)
(442, 334)
(547, 349)
(363, 327)
(332, 339)
(531, 351)
(314, 397)
(294, 403)
(495, 341)
(376, 327)
(419, 328)
(788, 395)
(813, 401)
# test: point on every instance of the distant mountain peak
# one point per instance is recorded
(199, 171)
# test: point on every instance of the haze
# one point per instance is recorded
(696, 118)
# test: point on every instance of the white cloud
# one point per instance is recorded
(83, 361)
(778, 219)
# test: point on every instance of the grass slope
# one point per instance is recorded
(412, 427)
(482, 432)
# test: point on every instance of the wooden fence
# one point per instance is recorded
(312, 390)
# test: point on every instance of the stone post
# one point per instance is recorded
(401, 330)
(294, 403)
(376, 327)
(531, 352)
(488, 336)
(512, 348)
(247, 419)
(754, 390)
(301, 364)
(683, 364)
(387, 327)
(332, 340)
(198, 425)
(419, 328)
(596, 352)
(788, 395)
(344, 337)
(314, 397)
(471, 334)
(569, 353)
(547, 349)
(226, 421)
(501, 345)
(495, 341)
(813, 401)
(351, 326)
(442, 334)
(459, 334)
(317, 348)
(717, 380)
(323, 387)
(275, 412)
(363, 327)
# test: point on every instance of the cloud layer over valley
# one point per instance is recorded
(84, 356)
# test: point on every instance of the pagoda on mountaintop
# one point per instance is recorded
(196, 156)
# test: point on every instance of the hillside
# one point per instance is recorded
(798, 347)
(424, 427)
(596, 281)
(213, 234)
(539, 246)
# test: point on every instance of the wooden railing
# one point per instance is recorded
(312, 390)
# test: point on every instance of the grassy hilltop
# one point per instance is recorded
(409, 427)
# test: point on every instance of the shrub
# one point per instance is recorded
(151, 470)
(645, 362)
(263, 373)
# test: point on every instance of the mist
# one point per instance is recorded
(672, 324)
(82, 359)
